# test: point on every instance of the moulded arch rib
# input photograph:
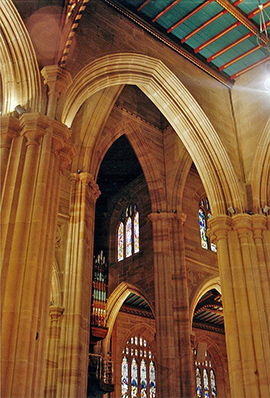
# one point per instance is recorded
(114, 303)
(21, 80)
(177, 105)
(260, 173)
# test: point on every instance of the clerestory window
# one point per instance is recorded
(128, 240)
(204, 215)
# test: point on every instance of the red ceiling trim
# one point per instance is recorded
(231, 45)
(182, 20)
(202, 26)
(143, 5)
(166, 10)
(240, 72)
(217, 36)
(257, 10)
(246, 53)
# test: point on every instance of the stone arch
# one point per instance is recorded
(179, 107)
(114, 303)
(204, 287)
(180, 181)
(144, 156)
(21, 82)
(260, 173)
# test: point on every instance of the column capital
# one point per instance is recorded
(219, 226)
(242, 223)
(58, 81)
(34, 126)
(57, 78)
(10, 128)
(87, 180)
(55, 313)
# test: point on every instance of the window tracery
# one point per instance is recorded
(205, 377)
(138, 361)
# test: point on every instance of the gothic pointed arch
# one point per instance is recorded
(260, 173)
(21, 82)
(144, 156)
(204, 287)
(114, 303)
(178, 106)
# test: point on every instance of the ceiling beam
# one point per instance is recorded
(143, 5)
(240, 72)
(202, 26)
(245, 54)
(216, 37)
(182, 20)
(257, 10)
(229, 46)
(241, 17)
(166, 10)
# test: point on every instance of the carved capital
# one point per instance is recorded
(219, 226)
(55, 313)
(57, 78)
(10, 128)
(87, 180)
(259, 224)
(242, 223)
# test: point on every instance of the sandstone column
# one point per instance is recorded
(74, 345)
(29, 214)
(242, 258)
(53, 351)
(175, 375)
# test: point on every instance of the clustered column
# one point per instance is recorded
(243, 256)
(175, 374)
(74, 343)
(37, 154)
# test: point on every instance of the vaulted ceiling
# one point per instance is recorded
(219, 36)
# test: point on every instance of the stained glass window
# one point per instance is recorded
(120, 238)
(198, 383)
(134, 378)
(128, 241)
(213, 383)
(142, 370)
(203, 228)
(136, 232)
(204, 215)
(143, 379)
(128, 237)
(205, 383)
(152, 379)
(205, 377)
(124, 380)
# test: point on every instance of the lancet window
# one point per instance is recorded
(128, 233)
(204, 215)
(205, 378)
(138, 378)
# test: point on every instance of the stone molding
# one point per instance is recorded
(33, 126)
(87, 180)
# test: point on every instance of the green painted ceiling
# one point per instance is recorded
(226, 30)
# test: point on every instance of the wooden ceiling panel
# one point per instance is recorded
(220, 33)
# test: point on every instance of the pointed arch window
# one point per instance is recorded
(205, 377)
(128, 240)
(204, 215)
(138, 361)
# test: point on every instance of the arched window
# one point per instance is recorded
(204, 215)
(205, 377)
(138, 361)
(128, 242)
